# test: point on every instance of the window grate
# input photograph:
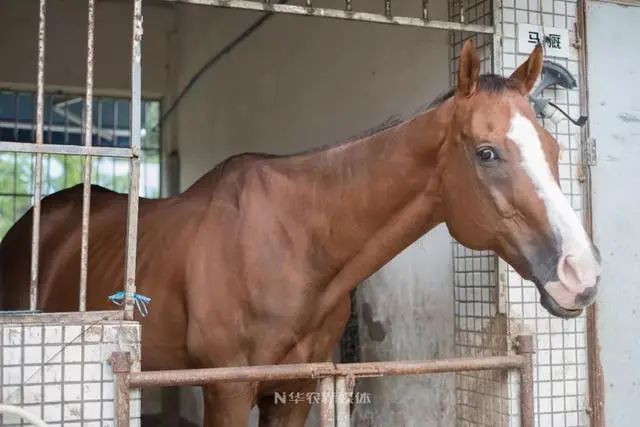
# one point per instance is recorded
(63, 124)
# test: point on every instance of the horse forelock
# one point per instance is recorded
(491, 83)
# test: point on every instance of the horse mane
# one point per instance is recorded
(491, 83)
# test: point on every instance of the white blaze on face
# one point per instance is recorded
(578, 269)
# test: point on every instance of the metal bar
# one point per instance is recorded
(595, 377)
(26, 317)
(245, 373)
(425, 10)
(377, 369)
(134, 169)
(319, 370)
(88, 135)
(327, 402)
(462, 11)
(341, 14)
(348, 6)
(308, 3)
(120, 362)
(497, 37)
(37, 181)
(74, 150)
(387, 7)
(342, 403)
(524, 347)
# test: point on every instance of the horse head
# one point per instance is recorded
(500, 186)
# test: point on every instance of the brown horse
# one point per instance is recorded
(253, 264)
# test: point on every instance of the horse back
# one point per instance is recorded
(60, 225)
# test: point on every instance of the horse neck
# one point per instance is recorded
(366, 200)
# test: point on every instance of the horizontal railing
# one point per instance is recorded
(335, 379)
(347, 14)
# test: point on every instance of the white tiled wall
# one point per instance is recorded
(560, 388)
(59, 372)
(561, 369)
(482, 398)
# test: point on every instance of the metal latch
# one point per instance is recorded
(589, 155)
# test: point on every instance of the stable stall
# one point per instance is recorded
(146, 96)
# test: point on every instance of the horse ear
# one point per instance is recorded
(529, 71)
(468, 71)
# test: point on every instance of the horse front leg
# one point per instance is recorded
(275, 413)
(228, 405)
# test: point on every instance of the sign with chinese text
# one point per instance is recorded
(555, 40)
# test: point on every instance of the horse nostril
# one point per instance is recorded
(586, 296)
(569, 273)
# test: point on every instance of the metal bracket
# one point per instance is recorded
(589, 152)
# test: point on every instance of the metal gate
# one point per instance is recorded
(52, 364)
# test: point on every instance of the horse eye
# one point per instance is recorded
(487, 155)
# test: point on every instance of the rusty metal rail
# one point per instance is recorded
(348, 13)
(334, 378)
(38, 148)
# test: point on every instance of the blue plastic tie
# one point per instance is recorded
(140, 300)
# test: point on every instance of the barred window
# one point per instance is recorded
(63, 124)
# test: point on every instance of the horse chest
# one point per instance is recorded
(316, 342)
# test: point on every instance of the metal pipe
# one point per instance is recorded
(245, 373)
(73, 150)
(524, 347)
(425, 10)
(462, 11)
(341, 14)
(348, 6)
(387, 8)
(378, 369)
(120, 362)
(37, 181)
(496, 54)
(19, 412)
(318, 370)
(134, 169)
(595, 377)
(88, 135)
(342, 403)
(327, 402)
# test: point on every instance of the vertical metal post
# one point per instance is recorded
(327, 402)
(595, 376)
(134, 170)
(425, 10)
(524, 347)
(462, 11)
(37, 180)
(348, 6)
(308, 3)
(387, 7)
(121, 366)
(88, 134)
(497, 37)
(342, 403)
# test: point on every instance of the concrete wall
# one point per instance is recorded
(66, 45)
(614, 116)
(298, 83)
